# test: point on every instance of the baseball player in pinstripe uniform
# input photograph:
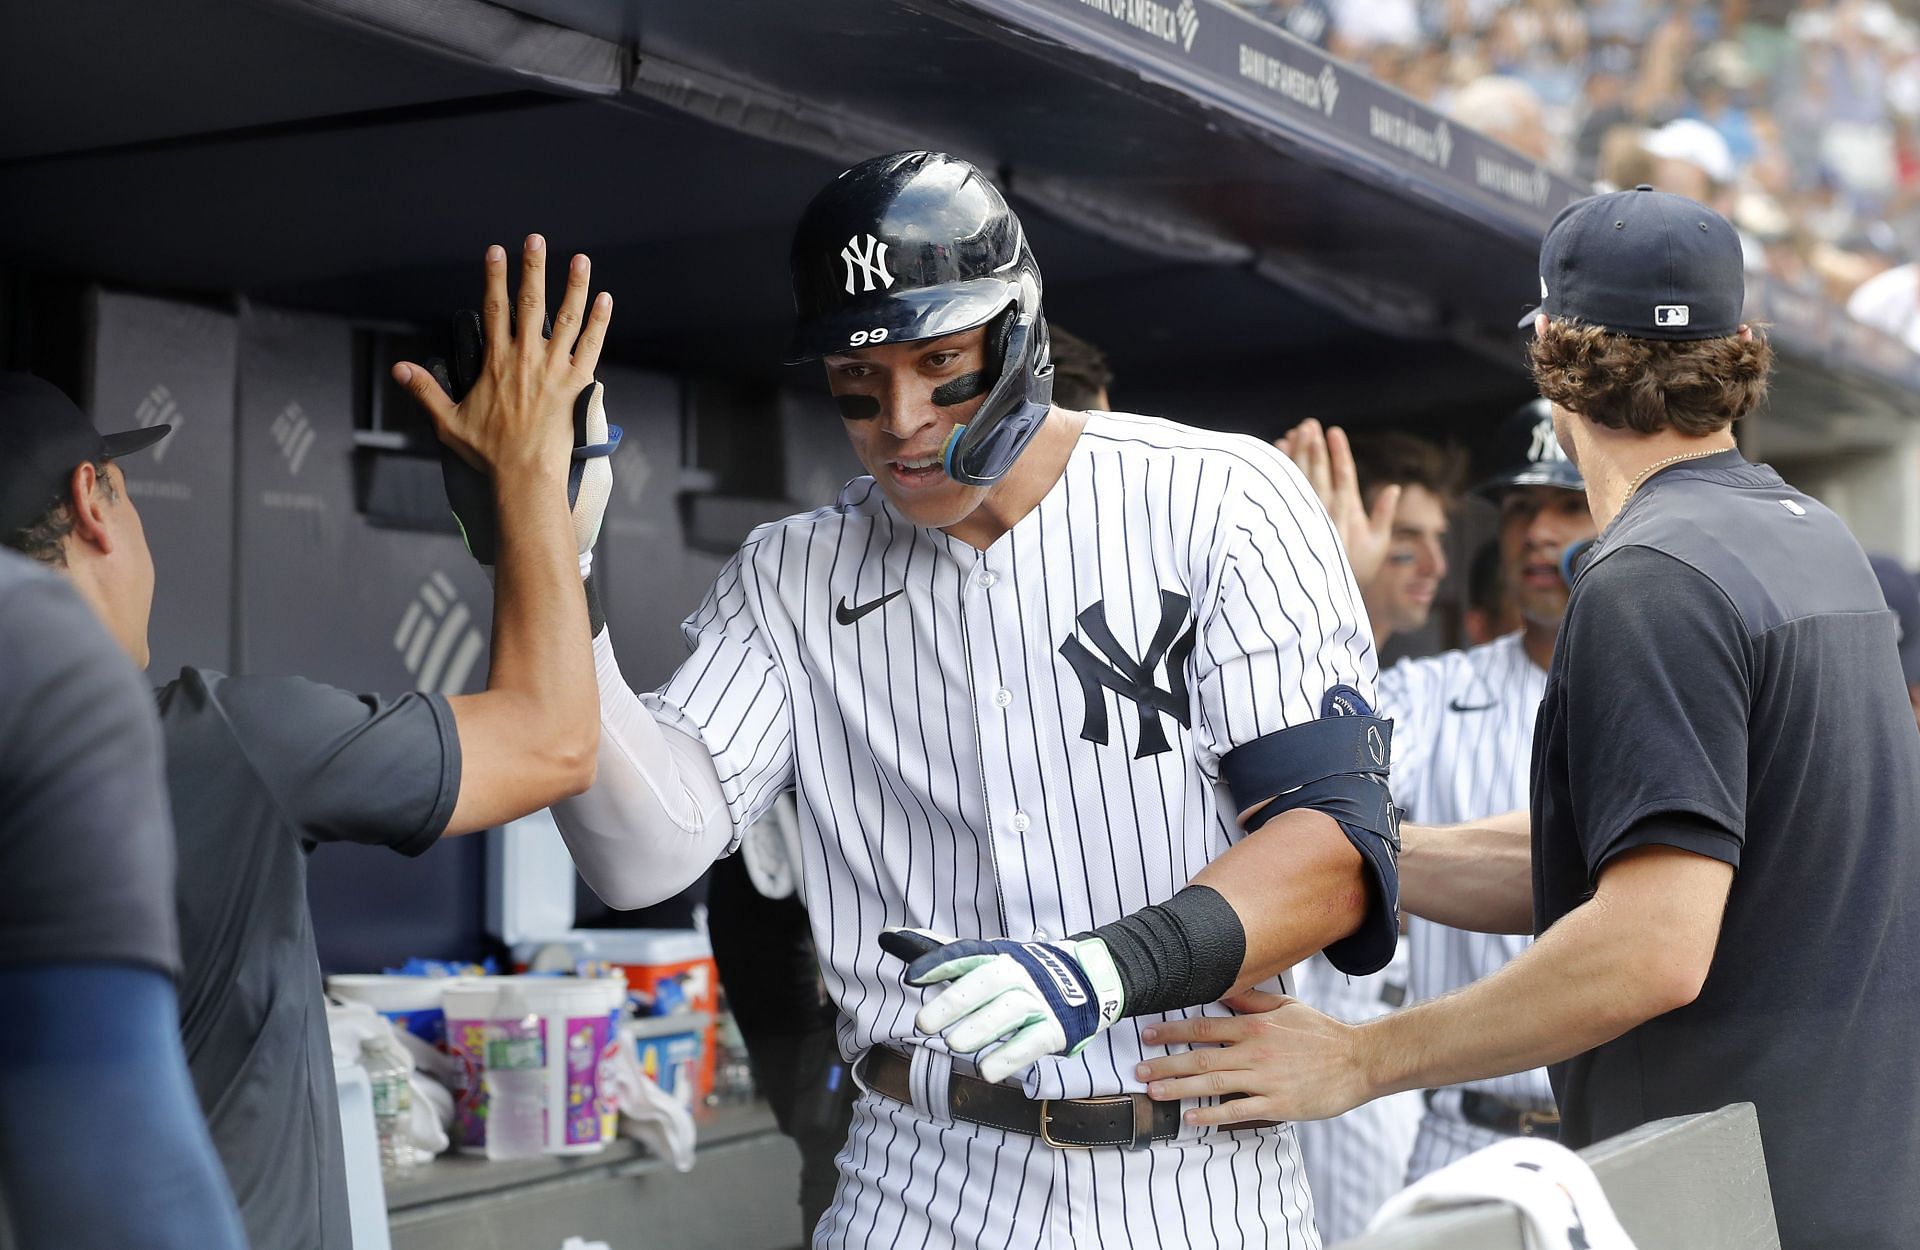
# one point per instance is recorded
(1389, 496)
(1074, 707)
(1463, 733)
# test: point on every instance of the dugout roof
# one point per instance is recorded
(1253, 231)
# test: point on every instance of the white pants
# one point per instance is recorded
(908, 1182)
(1446, 1138)
(1357, 1161)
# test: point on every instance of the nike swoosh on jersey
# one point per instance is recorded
(1455, 705)
(847, 616)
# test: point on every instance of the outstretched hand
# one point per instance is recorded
(1290, 1061)
(1326, 458)
(519, 413)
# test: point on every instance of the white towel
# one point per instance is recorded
(647, 1113)
(1560, 1202)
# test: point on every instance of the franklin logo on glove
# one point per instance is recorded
(1062, 979)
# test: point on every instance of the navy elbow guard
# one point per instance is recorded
(1337, 765)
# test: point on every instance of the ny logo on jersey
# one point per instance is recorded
(871, 261)
(1133, 679)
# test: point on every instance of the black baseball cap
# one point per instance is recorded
(1645, 264)
(43, 437)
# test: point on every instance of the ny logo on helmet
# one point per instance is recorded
(1546, 446)
(871, 262)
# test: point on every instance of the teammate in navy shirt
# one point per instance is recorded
(1726, 784)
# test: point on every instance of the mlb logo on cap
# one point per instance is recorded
(1644, 264)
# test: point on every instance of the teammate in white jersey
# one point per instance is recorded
(1463, 737)
(1074, 709)
(1390, 496)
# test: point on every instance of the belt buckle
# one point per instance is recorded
(1046, 1119)
(1532, 1121)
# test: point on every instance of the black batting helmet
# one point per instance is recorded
(917, 245)
(1528, 453)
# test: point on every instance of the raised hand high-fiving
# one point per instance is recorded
(1325, 457)
(519, 412)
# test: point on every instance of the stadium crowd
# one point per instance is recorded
(1800, 122)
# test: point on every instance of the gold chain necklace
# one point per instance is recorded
(1658, 465)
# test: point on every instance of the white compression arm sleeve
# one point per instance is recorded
(655, 818)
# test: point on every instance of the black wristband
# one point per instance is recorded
(596, 615)
(1181, 953)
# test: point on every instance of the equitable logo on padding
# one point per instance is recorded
(159, 408)
(294, 435)
(437, 640)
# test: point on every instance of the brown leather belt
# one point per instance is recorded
(1491, 1112)
(1134, 1121)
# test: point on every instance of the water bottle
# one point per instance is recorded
(516, 1081)
(389, 1075)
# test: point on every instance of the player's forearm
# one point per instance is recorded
(1476, 876)
(1583, 983)
(1290, 888)
(656, 816)
(541, 665)
(529, 739)
(1297, 885)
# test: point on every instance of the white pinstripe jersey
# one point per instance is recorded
(1462, 749)
(1023, 740)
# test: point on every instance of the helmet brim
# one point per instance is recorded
(1565, 479)
(911, 316)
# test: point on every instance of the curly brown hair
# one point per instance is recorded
(45, 538)
(1649, 385)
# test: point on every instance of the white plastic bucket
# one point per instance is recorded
(412, 1003)
(576, 1023)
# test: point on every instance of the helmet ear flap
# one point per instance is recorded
(1020, 396)
(999, 334)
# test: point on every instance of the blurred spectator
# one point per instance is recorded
(1506, 109)
(1362, 24)
(1800, 121)
(1690, 158)
(1891, 303)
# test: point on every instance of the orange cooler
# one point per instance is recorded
(653, 958)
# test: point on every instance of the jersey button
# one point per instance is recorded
(1002, 697)
(987, 579)
(1020, 822)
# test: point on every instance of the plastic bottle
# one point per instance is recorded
(390, 1076)
(516, 1081)
(733, 1073)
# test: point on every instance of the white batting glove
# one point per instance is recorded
(1034, 998)
(590, 481)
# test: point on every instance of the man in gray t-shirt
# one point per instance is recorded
(89, 948)
(263, 769)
